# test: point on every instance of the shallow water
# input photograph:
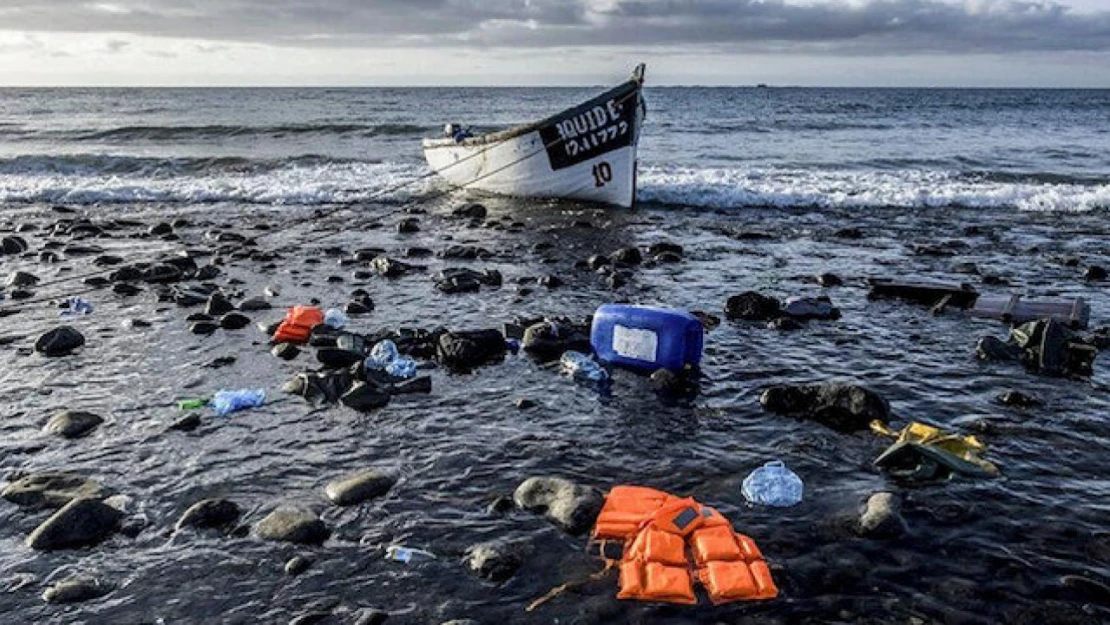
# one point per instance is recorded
(978, 551)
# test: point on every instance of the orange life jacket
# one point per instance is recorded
(298, 324)
(671, 543)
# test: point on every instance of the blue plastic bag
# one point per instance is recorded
(227, 402)
(773, 485)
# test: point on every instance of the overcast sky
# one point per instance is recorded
(413, 42)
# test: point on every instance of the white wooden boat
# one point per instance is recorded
(587, 152)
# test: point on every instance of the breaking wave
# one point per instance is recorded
(156, 133)
(725, 188)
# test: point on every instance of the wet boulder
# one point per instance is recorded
(209, 513)
(842, 407)
(234, 321)
(50, 490)
(829, 280)
(805, 308)
(76, 589)
(255, 304)
(204, 328)
(627, 256)
(1095, 273)
(22, 278)
(285, 351)
(408, 225)
(13, 245)
(72, 423)
(752, 306)
(496, 560)
(357, 488)
(881, 517)
(548, 340)
(1017, 399)
(60, 341)
(466, 350)
(80, 523)
(294, 525)
(572, 507)
(470, 211)
(218, 305)
(297, 565)
(389, 268)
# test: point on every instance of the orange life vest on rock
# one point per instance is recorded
(671, 543)
(298, 324)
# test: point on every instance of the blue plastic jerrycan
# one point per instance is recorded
(646, 337)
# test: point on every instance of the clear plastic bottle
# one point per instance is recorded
(335, 318)
(381, 355)
(398, 553)
(773, 485)
(401, 367)
(583, 367)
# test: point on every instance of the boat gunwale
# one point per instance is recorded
(501, 136)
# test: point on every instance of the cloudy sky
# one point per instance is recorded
(412, 42)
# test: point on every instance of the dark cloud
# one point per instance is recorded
(864, 26)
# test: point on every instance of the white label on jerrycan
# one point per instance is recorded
(635, 343)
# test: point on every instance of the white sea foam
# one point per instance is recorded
(739, 188)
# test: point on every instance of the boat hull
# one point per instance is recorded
(585, 153)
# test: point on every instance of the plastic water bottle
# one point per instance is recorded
(381, 355)
(397, 553)
(227, 402)
(402, 367)
(773, 485)
(335, 318)
(583, 367)
(76, 306)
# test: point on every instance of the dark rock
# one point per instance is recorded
(389, 268)
(409, 225)
(297, 565)
(285, 351)
(1017, 399)
(59, 342)
(465, 252)
(294, 525)
(361, 306)
(551, 282)
(627, 256)
(663, 247)
(163, 273)
(804, 308)
(1095, 273)
(161, 229)
(496, 560)
(357, 488)
(49, 257)
(22, 278)
(881, 517)
(523, 403)
(572, 507)
(209, 513)
(752, 306)
(469, 349)
(993, 280)
(13, 245)
(615, 280)
(829, 280)
(597, 261)
(208, 272)
(365, 397)
(459, 284)
(848, 233)
(204, 328)
(81, 522)
(785, 324)
(198, 317)
(126, 274)
(50, 490)
(187, 423)
(842, 407)
(19, 294)
(72, 423)
(548, 340)
(470, 211)
(255, 304)
(76, 589)
(664, 381)
(667, 257)
(234, 321)
(126, 290)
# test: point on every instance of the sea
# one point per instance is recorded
(721, 148)
(284, 196)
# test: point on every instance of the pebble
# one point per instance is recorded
(1095, 273)
(292, 524)
(254, 304)
(60, 341)
(523, 403)
(409, 225)
(234, 321)
(72, 423)
(204, 328)
(572, 507)
(1017, 399)
(22, 278)
(752, 306)
(209, 513)
(627, 256)
(297, 565)
(76, 589)
(80, 523)
(829, 280)
(187, 423)
(359, 487)
(496, 560)
(50, 490)
(881, 517)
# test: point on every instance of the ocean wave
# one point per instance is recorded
(154, 133)
(79, 164)
(721, 188)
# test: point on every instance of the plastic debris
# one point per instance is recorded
(227, 402)
(335, 318)
(924, 452)
(398, 553)
(192, 404)
(75, 306)
(646, 337)
(773, 485)
(582, 367)
(384, 355)
(402, 367)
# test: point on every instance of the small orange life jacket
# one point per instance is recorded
(297, 325)
(671, 543)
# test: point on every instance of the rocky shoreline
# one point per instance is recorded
(491, 460)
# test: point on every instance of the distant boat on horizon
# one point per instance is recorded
(587, 152)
